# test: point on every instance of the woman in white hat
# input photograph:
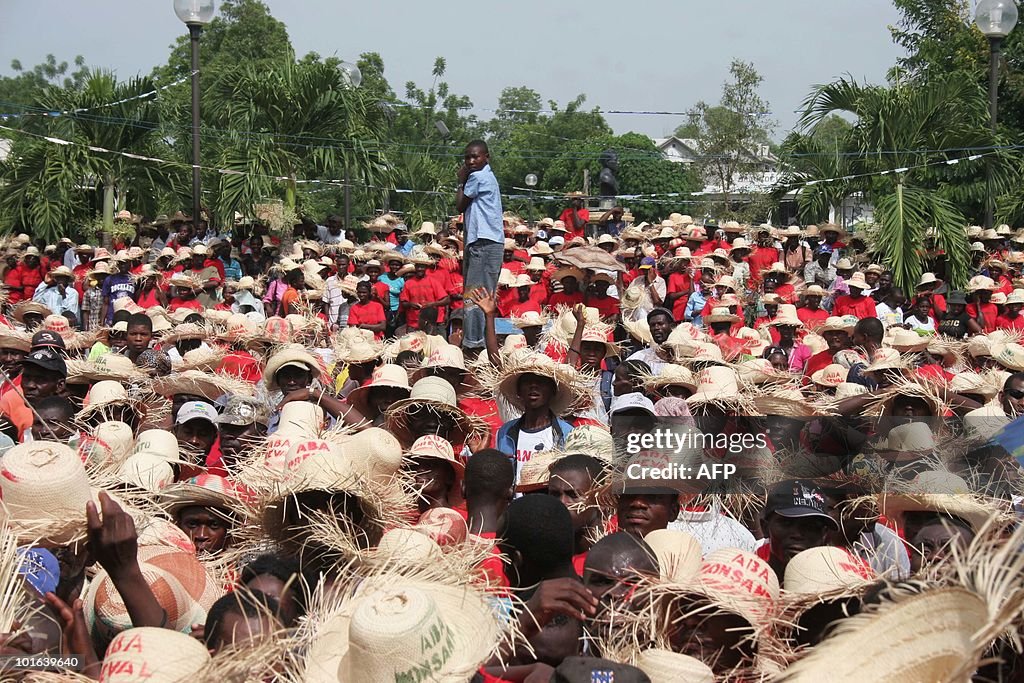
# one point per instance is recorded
(1011, 319)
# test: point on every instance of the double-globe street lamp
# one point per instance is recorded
(995, 18)
(195, 14)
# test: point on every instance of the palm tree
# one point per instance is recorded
(46, 187)
(296, 120)
(909, 132)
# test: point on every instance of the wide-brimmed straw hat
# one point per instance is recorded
(721, 315)
(293, 355)
(23, 308)
(832, 375)
(679, 554)
(393, 627)
(718, 385)
(907, 341)
(436, 394)
(824, 574)
(179, 582)
(156, 655)
(208, 385)
(928, 279)
(571, 394)
(838, 324)
(786, 316)
(936, 491)
(388, 375)
(980, 282)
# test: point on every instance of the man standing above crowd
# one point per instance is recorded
(479, 198)
(575, 216)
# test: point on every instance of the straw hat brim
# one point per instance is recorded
(358, 398)
(569, 395)
(465, 425)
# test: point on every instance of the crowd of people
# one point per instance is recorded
(232, 456)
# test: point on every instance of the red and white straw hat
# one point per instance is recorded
(154, 655)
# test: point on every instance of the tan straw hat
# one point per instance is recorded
(155, 655)
(832, 375)
(679, 554)
(387, 375)
(571, 387)
(907, 341)
(665, 666)
(293, 355)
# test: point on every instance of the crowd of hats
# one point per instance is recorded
(887, 440)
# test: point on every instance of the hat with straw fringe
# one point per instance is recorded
(352, 346)
(718, 386)
(785, 402)
(209, 359)
(936, 491)
(293, 355)
(535, 473)
(109, 366)
(665, 666)
(399, 627)
(433, 393)
(670, 375)
(824, 574)
(756, 371)
(208, 385)
(572, 388)
(638, 330)
(205, 490)
(11, 338)
(384, 376)
(679, 554)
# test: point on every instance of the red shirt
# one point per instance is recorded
(818, 362)
(811, 319)
(513, 266)
(420, 291)
(561, 299)
(1004, 323)
(493, 568)
(148, 299)
(518, 309)
(243, 365)
(679, 282)
(485, 409)
(787, 292)
(567, 216)
(192, 304)
(861, 307)
(629, 276)
(990, 312)
(762, 259)
(607, 306)
(370, 313)
(539, 293)
(22, 281)
(507, 298)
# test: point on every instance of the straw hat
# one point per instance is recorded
(857, 280)
(1009, 355)
(786, 316)
(671, 375)
(105, 394)
(204, 490)
(293, 355)
(928, 279)
(831, 375)
(784, 401)
(848, 389)
(973, 383)
(814, 290)
(401, 628)
(433, 446)
(437, 394)
(209, 385)
(924, 636)
(979, 346)
(838, 324)
(980, 282)
(444, 356)
(541, 248)
(186, 331)
(11, 338)
(156, 655)
(665, 666)
(571, 392)
(146, 472)
(742, 583)
(387, 375)
(719, 385)
(936, 491)
(679, 554)
(887, 359)
(825, 572)
(178, 580)
(721, 315)
(44, 489)
(23, 308)
(907, 341)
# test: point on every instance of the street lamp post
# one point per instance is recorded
(531, 182)
(995, 19)
(195, 14)
(352, 77)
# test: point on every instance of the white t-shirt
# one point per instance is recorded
(714, 530)
(915, 323)
(534, 442)
(888, 316)
(650, 356)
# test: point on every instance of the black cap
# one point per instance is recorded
(956, 298)
(797, 498)
(47, 359)
(595, 670)
(47, 339)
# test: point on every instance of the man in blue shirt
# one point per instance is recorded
(479, 198)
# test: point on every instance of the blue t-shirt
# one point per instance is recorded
(484, 220)
(394, 289)
(117, 287)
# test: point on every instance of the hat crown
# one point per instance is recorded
(432, 446)
(824, 569)
(434, 389)
(159, 442)
(301, 418)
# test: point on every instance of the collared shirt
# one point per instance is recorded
(815, 274)
(483, 216)
(334, 298)
(326, 237)
(51, 298)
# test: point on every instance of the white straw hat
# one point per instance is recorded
(155, 655)
(665, 666)
(44, 489)
(679, 554)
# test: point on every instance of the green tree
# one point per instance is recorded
(895, 128)
(25, 88)
(728, 135)
(45, 187)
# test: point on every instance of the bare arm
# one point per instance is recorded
(485, 300)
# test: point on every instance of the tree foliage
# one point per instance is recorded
(25, 87)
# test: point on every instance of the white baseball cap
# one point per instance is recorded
(631, 401)
(196, 410)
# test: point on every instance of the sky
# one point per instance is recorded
(640, 55)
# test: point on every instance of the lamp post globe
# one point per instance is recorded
(531, 179)
(351, 73)
(996, 18)
(194, 12)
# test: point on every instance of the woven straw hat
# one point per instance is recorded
(535, 473)
(754, 371)
(838, 324)
(671, 375)
(814, 290)
(110, 444)
(444, 356)
(786, 316)
(146, 471)
(740, 582)
(433, 446)
(44, 489)
(206, 490)
(980, 282)
(716, 384)
(979, 346)
(679, 554)
(973, 383)
(922, 637)
(1010, 356)
(300, 418)
(179, 583)
(785, 402)
(721, 315)
(104, 394)
(15, 339)
(937, 491)
(208, 385)
(998, 298)
(24, 308)
(825, 572)
(887, 359)
(401, 628)
(387, 375)
(288, 356)
(437, 394)
(907, 341)
(591, 440)
(831, 375)
(186, 331)
(156, 655)
(158, 442)
(665, 666)
(570, 391)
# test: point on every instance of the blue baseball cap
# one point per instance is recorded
(40, 569)
(824, 249)
(648, 262)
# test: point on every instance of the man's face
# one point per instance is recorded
(570, 284)
(536, 392)
(713, 636)
(813, 302)
(642, 513)
(792, 535)
(1012, 397)
(592, 353)
(475, 158)
(871, 277)
(199, 435)
(32, 261)
(139, 337)
(885, 280)
(292, 378)
(363, 293)
(207, 529)
(571, 487)
(51, 420)
(393, 268)
(661, 326)
(934, 542)
(837, 340)
(37, 383)
(421, 270)
(10, 361)
(235, 439)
